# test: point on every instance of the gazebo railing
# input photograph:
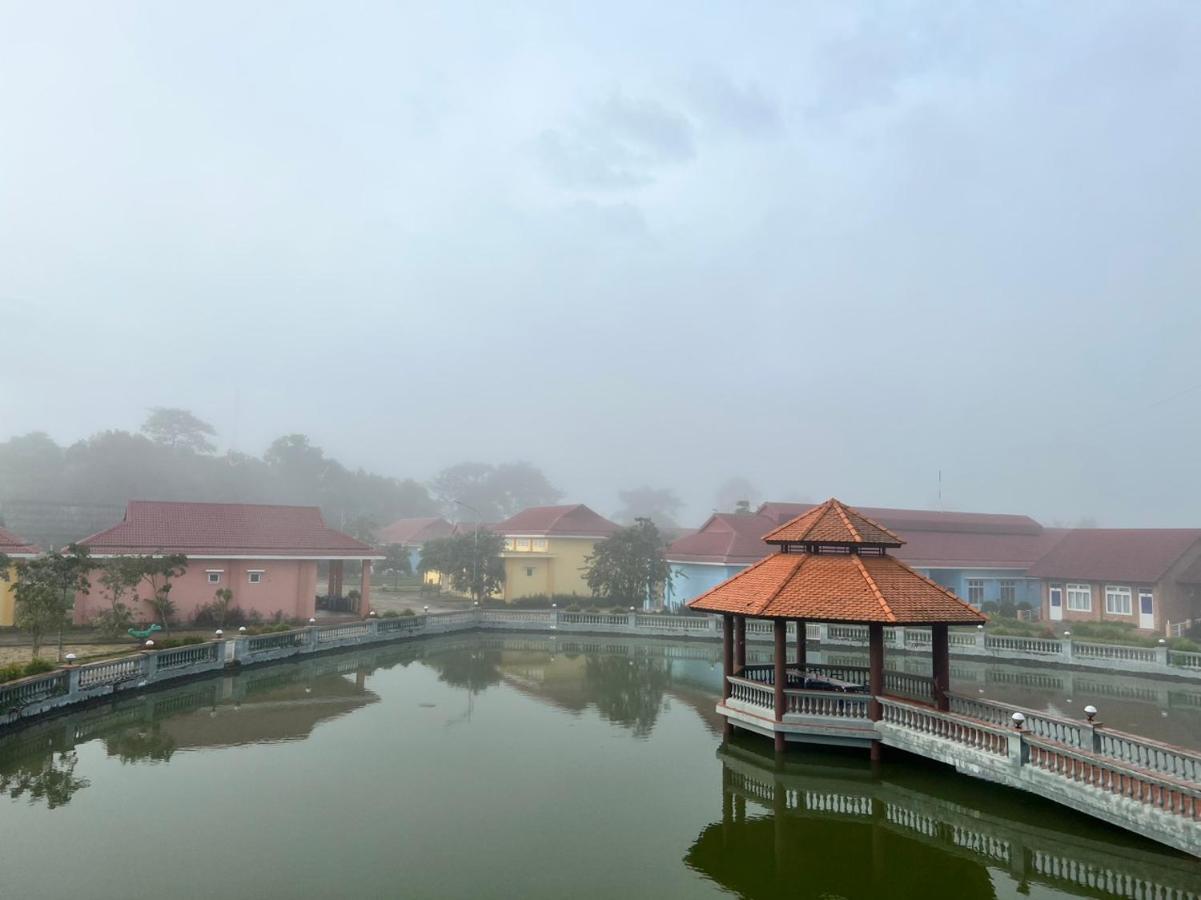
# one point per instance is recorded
(898, 684)
(825, 704)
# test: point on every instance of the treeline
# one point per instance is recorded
(55, 494)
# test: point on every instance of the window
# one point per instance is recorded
(529, 571)
(523, 544)
(1118, 601)
(975, 591)
(539, 545)
(214, 575)
(1080, 598)
(1009, 590)
(255, 576)
(508, 543)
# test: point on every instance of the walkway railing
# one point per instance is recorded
(1086, 774)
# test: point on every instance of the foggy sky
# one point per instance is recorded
(834, 251)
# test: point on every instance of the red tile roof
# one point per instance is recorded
(219, 529)
(837, 587)
(411, 532)
(14, 545)
(1142, 555)
(833, 523)
(558, 521)
(725, 538)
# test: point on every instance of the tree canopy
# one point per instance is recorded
(53, 495)
(174, 427)
(629, 567)
(471, 562)
(480, 492)
(660, 505)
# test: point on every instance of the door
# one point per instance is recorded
(1146, 610)
(1055, 598)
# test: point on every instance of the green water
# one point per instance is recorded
(490, 766)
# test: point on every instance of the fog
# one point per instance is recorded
(832, 251)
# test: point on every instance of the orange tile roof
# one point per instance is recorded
(837, 587)
(833, 522)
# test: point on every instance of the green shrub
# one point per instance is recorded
(13, 671)
(407, 612)
(172, 643)
(1184, 645)
(392, 614)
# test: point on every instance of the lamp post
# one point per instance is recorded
(475, 553)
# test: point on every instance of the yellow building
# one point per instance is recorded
(546, 548)
(13, 547)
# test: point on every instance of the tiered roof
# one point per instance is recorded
(842, 573)
(16, 546)
(226, 529)
(558, 521)
(833, 522)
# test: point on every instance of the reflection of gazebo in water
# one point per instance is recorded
(832, 566)
(835, 828)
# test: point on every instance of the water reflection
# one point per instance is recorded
(45, 777)
(836, 827)
(819, 826)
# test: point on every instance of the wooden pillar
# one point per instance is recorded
(335, 578)
(800, 645)
(365, 590)
(940, 655)
(875, 680)
(727, 654)
(780, 659)
(739, 644)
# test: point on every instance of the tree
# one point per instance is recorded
(119, 578)
(661, 505)
(481, 492)
(178, 428)
(157, 572)
(628, 566)
(44, 590)
(398, 562)
(470, 563)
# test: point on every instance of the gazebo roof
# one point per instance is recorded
(842, 574)
(833, 523)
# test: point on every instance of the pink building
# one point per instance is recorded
(266, 555)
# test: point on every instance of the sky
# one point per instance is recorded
(836, 249)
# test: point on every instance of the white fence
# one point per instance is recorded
(41, 693)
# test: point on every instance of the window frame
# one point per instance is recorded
(1072, 589)
(214, 575)
(1010, 585)
(251, 573)
(540, 545)
(974, 585)
(1116, 590)
(522, 545)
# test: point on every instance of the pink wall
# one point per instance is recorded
(288, 586)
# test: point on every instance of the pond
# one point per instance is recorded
(484, 765)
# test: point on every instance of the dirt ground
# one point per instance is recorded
(50, 651)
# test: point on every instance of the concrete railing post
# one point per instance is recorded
(981, 641)
(1161, 655)
(1016, 749)
(221, 654)
(633, 619)
(73, 682)
(823, 633)
(1065, 649)
(310, 637)
(149, 665)
(899, 638)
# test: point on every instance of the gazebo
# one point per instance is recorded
(832, 566)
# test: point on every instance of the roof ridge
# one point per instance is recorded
(871, 583)
(801, 557)
(837, 506)
(749, 568)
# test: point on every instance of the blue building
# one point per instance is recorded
(981, 557)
